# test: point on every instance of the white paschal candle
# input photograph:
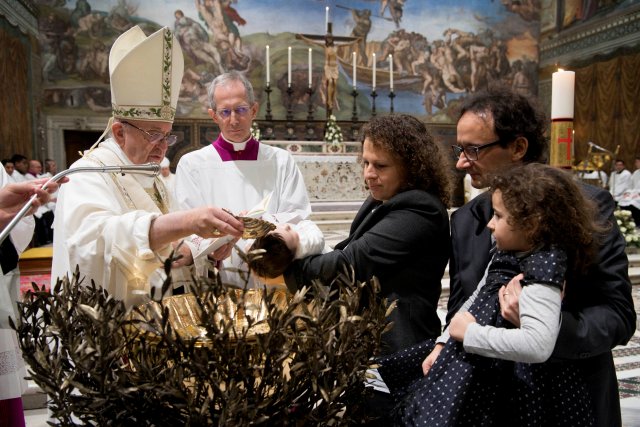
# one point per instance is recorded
(373, 85)
(562, 94)
(391, 72)
(289, 67)
(268, 69)
(354, 69)
(310, 75)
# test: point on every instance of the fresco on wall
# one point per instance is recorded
(441, 51)
(576, 11)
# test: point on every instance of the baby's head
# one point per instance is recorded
(280, 247)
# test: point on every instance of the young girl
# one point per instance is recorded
(543, 229)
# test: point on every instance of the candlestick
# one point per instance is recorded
(373, 86)
(310, 74)
(562, 109)
(391, 72)
(326, 18)
(562, 94)
(289, 67)
(354, 69)
(268, 69)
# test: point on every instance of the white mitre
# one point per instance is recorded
(146, 73)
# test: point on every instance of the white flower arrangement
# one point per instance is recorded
(332, 133)
(255, 131)
(627, 227)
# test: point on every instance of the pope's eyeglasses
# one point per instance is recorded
(225, 113)
(155, 137)
(471, 151)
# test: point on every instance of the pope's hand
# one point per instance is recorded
(211, 221)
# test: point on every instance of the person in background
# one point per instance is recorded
(630, 200)
(50, 168)
(238, 172)
(118, 228)
(167, 178)
(35, 170)
(8, 167)
(21, 165)
(620, 180)
(497, 130)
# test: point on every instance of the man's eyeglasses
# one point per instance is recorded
(471, 151)
(225, 113)
(155, 137)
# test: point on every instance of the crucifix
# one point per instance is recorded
(328, 92)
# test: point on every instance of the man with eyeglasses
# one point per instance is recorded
(118, 229)
(238, 172)
(498, 129)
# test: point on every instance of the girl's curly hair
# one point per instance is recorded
(409, 141)
(549, 206)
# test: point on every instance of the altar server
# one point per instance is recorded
(116, 227)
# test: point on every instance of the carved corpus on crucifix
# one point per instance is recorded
(329, 88)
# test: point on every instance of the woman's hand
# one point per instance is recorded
(459, 324)
(431, 358)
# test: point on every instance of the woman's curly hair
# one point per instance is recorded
(549, 206)
(408, 140)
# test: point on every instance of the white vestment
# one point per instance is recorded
(619, 183)
(170, 184)
(102, 224)
(203, 179)
(12, 369)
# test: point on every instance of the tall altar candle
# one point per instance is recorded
(289, 67)
(326, 19)
(310, 74)
(354, 70)
(373, 85)
(391, 72)
(562, 106)
(268, 69)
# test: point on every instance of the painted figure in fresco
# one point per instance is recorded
(95, 62)
(231, 17)
(120, 16)
(83, 8)
(395, 9)
(194, 40)
(362, 21)
(212, 13)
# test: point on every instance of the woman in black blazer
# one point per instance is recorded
(400, 235)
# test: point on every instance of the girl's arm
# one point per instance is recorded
(534, 341)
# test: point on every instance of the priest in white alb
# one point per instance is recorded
(238, 172)
(117, 227)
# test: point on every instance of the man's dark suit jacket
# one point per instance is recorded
(404, 242)
(598, 314)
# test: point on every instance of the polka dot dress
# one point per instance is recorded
(470, 390)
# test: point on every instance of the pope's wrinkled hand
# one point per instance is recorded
(211, 221)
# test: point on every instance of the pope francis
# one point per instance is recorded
(117, 227)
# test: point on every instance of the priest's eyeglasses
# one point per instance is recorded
(155, 137)
(471, 151)
(225, 113)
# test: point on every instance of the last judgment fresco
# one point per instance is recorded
(426, 54)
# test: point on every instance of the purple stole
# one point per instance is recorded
(228, 154)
